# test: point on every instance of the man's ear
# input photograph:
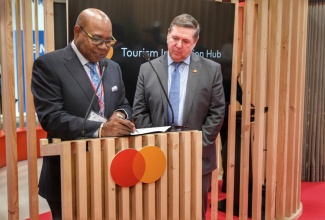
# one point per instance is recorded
(76, 31)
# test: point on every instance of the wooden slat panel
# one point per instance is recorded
(137, 190)
(236, 66)
(123, 192)
(291, 176)
(294, 64)
(49, 26)
(162, 183)
(185, 176)
(110, 186)
(66, 180)
(81, 179)
(95, 179)
(19, 64)
(149, 200)
(245, 126)
(173, 175)
(196, 206)
(215, 185)
(301, 91)
(35, 18)
(7, 78)
(283, 119)
(274, 55)
(30, 110)
(50, 150)
(258, 144)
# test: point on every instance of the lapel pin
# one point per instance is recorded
(194, 71)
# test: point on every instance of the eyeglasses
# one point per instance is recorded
(99, 41)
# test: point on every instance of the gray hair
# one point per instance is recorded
(186, 21)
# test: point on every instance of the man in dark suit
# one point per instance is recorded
(200, 104)
(63, 86)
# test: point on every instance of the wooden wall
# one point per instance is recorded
(270, 58)
(273, 57)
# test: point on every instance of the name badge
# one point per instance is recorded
(93, 116)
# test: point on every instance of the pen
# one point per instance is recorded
(120, 116)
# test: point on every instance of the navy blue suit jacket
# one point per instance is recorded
(62, 93)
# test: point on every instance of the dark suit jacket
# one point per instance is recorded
(62, 93)
(204, 103)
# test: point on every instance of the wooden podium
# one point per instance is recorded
(88, 191)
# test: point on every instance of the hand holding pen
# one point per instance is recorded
(119, 115)
(117, 126)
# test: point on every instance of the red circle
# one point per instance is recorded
(122, 167)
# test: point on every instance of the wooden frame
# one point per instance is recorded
(176, 195)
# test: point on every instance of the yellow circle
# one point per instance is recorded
(155, 161)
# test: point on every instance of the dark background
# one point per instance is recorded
(142, 25)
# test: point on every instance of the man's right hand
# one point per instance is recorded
(116, 126)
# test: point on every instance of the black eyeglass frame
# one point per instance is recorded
(99, 41)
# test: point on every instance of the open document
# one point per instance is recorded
(150, 130)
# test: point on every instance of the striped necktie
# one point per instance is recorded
(174, 93)
(95, 80)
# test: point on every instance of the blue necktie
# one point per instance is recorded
(93, 73)
(95, 80)
(174, 93)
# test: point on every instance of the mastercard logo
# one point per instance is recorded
(130, 166)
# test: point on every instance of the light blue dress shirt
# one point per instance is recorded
(183, 70)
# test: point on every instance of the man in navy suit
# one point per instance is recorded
(63, 87)
(201, 102)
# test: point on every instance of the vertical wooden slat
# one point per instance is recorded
(185, 176)
(30, 110)
(274, 47)
(7, 78)
(215, 185)
(149, 199)
(232, 111)
(294, 62)
(173, 176)
(301, 86)
(110, 186)
(136, 191)
(81, 179)
(245, 126)
(162, 183)
(66, 180)
(95, 179)
(19, 64)
(260, 102)
(196, 206)
(283, 119)
(36, 28)
(123, 192)
(49, 25)
(292, 138)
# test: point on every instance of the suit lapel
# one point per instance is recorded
(79, 74)
(162, 70)
(193, 77)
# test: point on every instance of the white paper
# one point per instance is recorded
(150, 130)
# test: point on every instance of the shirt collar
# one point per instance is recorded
(82, 59)
(171, 61)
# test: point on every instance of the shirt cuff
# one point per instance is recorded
(123, 111)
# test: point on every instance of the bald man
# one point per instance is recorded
(63, 84)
